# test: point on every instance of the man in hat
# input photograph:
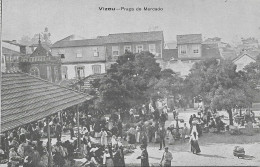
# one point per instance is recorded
(166, 158)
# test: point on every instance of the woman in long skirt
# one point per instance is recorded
(195, 148)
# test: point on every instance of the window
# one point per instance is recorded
(127, 48)
(35, 71)
(96, 69)
(196, 49)
(95, 52)
(80, 73)
(64, 72)
(152, 48)
(139, 48)
(183, 49)
(115, 50)
(79, 53)
(62, 56)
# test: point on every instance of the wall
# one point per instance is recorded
(243, 61)
(189, 51)
(87, 54)
(158, 48)
(87, 70)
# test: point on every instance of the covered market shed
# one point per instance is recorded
(26, 99)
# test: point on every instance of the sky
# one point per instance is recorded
(227, 19)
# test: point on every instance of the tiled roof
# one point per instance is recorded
(168, 54)
(7, 51)
(78, 43)
(25, 99)
(111, 38)
(229, 55)
(210, 51)
(41, 51)
(189, 39)
(134, 37)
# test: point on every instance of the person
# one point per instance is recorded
(162, 133)
(71, 131)
(131, 136)
(14, 158)
(144, 157)
(190, 121)
(114, 141)
(184, 132)
(144, 139)
(138, 133)
(103, 135)
(166, 158)
(118, 158)
(195, 148)
(107, 159)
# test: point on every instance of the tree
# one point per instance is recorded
(220, 86)
(44, 37)
(169, 84)
(128, 82)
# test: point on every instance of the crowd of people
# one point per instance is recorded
(102, 139)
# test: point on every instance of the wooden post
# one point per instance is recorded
(49, 141)
(77, 110)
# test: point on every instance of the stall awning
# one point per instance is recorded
(25, 98)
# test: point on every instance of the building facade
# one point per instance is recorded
(42, 64)
(80, 58)
(190, 50)
(118, 44)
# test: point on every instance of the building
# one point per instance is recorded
(245, 58)
(11, 53)
(80, 58)
(42, 64)
(189, 50)
(189, 46)
(136, 42)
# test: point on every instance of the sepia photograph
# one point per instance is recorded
(128, 83)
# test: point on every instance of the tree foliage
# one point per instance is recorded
(220, 85)
(127, 82)
(44, 37)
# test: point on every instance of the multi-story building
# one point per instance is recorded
(189, 50)
(118, 44)
(80, 58)
(42, 64)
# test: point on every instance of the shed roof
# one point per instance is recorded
(25, 99)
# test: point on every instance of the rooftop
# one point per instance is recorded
(25, 99)
(189, 39)
(111, 38)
